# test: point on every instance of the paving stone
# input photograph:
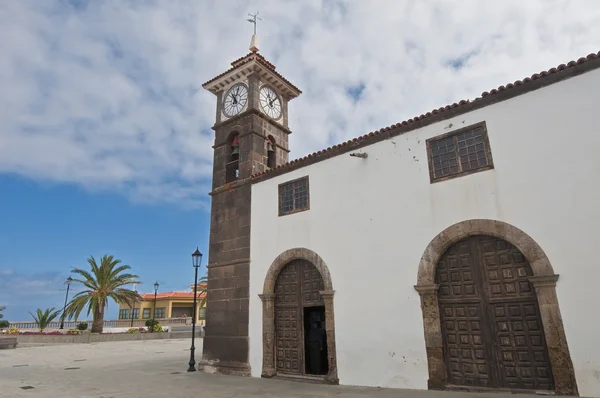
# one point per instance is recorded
(136, 369)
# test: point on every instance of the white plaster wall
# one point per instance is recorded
(371, 219)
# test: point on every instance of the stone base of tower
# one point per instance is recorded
(225, 355)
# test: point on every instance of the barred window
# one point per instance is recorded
(458, 153)
(124, 314)
(294, 196)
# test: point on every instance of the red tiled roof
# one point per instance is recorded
(171, 295)
(356, 142)
(247, 58)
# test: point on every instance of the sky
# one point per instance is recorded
(105, 130)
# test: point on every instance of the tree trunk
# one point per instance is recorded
(98, 323)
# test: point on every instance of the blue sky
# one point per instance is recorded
(105, 138)
(49, 228)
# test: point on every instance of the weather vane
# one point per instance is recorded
(254, 19)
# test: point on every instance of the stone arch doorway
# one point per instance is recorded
(454, 249)
(297, 280)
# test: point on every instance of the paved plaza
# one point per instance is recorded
(149, 369)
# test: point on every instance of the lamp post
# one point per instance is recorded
(133, 309)
(154, 311)
(196, 260)
(62, 318)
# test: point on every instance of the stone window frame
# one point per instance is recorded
(460, 173)
(268, 303)
(295, 209)
(543, 280)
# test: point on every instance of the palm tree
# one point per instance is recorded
(202, 285)
(44, 318)
(200, 291)
(103, 282)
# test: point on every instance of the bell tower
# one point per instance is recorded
(251, 136)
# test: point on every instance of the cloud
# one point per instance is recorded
(107, 95)
(16, 286)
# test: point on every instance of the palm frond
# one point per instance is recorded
(104, 280)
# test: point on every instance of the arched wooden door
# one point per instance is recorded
(297, 286)
(491, 326)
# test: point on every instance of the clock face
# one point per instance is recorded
(270, 102)
(235, 99)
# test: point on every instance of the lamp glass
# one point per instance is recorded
(196, 258)
(155, 286)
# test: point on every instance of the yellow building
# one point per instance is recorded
(168, 305)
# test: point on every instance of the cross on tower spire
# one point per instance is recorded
(254, 42)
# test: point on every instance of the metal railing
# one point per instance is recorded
(112, 323)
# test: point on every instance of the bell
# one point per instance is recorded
(270, 147)
(236, 150)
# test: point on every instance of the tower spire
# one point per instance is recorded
(254, 41)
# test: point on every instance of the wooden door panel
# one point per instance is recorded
(461, 317)
(297, 285)
(455, 274)
(288, 321)
(506, 270)
(464, 342)
(289, 332)
(312, 284)
(286, 287)
(491, 326)
(523, 356)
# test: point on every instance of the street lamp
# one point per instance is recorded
(62, 318)
(154, 312)
(196, 260)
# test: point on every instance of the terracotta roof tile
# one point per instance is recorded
(327, 152)
(247, 58)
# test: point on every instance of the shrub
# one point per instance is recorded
(82, 326)
(133, 330)
(54, 333)
(152, 324)
(13, 330)
(4, 324)
(73, 331)
(157, 328)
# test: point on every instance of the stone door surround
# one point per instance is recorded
(543, 281)
(268, 301)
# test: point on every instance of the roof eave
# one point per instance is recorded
(247, 69)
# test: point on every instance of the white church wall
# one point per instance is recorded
(371, 219)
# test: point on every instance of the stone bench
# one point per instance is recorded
(8, 342)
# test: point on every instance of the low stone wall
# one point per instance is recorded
(7, 342)
(36, 340)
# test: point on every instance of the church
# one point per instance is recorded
(449, 251)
